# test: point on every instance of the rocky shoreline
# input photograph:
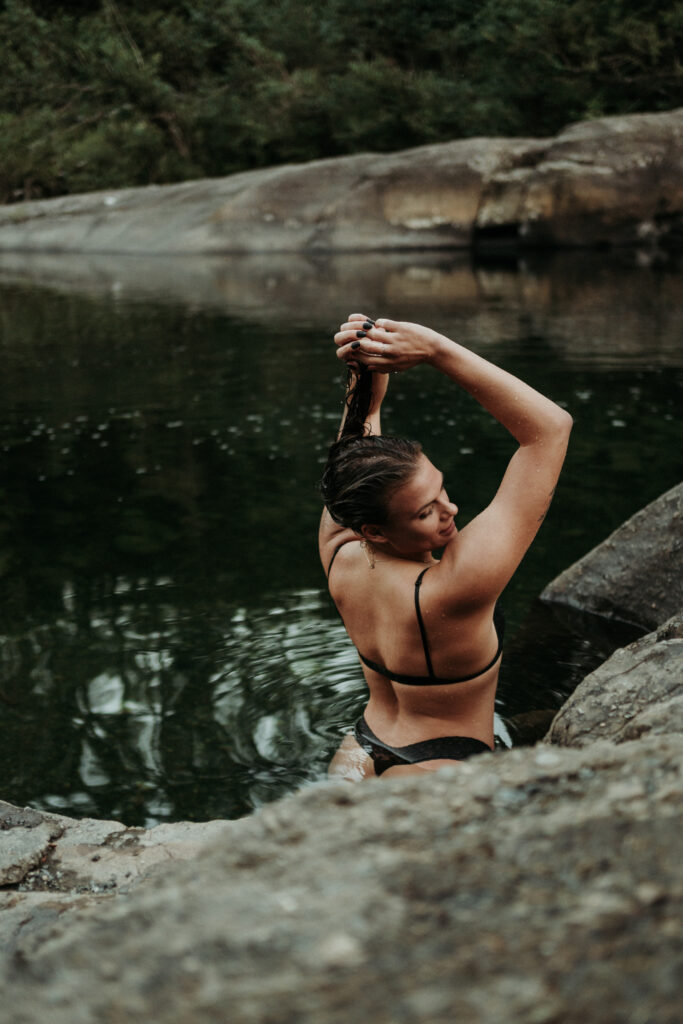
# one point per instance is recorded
(537, 885)
(616, 181)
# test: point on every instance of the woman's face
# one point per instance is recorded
(420, 515)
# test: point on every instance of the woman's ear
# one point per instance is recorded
(373, 533)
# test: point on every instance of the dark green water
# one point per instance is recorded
(167, 648)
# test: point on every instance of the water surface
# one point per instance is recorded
(167, 646)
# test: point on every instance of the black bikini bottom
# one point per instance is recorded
(452, 748)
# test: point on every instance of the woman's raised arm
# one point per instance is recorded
(489, 549)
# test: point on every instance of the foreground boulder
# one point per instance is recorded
(535, 886)
(613, 181)
(636, 574)
(636, 692)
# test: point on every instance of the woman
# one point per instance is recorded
(428, 632)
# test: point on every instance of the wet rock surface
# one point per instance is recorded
(636, 574)
(614, 181)
(537, 885)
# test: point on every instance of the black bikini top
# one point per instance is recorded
(431, 679)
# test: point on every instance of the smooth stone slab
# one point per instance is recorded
(613, 181)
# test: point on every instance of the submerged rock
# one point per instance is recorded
(636, 692)
(636, 574)
(613, 181)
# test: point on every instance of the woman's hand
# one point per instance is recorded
(386, 346)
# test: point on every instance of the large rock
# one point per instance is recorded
(536, 886)
(638, 691)
(615, 181)
(636, 574)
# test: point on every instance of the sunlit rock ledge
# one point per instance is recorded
(616, 181)
(534, 885)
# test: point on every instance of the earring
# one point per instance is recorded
(369, 553)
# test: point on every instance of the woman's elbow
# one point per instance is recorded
(562, 422)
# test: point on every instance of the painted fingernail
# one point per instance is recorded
(356, 344)
(360, 334)
(367, 325)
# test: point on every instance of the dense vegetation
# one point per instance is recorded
(108, 93)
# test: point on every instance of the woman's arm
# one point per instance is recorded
(488, 550)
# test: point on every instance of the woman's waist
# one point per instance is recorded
(440, 702)
(399, 725)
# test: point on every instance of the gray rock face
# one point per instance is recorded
(49, 864)
(636, 574)
(615, 181)
(26, 836)
(636, 692)
(540, 885)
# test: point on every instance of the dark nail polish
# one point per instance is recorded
(356, 344)
(360, 334)
(367, 326)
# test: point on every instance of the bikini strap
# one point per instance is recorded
(334, 555)
(423, 632)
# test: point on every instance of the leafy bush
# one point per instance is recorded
(106, 93)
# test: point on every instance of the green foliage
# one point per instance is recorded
(105, 93)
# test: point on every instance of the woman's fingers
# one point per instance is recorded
(383, 324)
(351, 332)
(364, 348)
(361, 320)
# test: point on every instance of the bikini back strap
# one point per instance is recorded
(423, 632)
(334, 555)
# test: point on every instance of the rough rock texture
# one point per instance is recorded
(89, 853)
(540, 885)
(615, 181)
(50, 863)
(636, 574)
(638, 691)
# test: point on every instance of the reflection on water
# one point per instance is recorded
(135, 708)
(167, 646)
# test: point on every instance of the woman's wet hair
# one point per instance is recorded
(363, 470)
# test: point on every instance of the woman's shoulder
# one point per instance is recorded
(343, 547)
(454, 583)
